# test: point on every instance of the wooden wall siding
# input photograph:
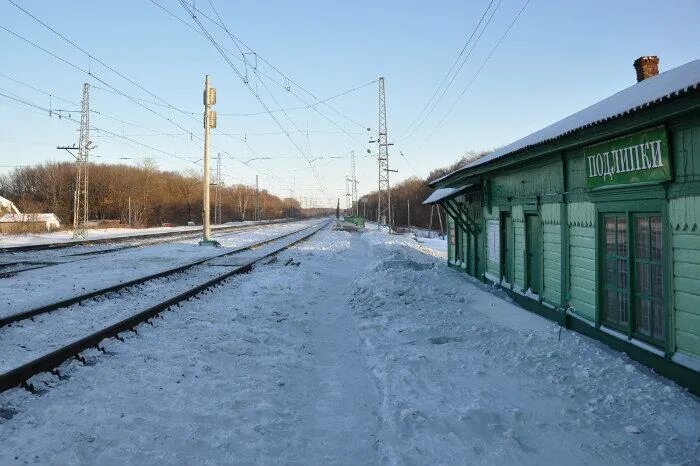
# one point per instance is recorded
(581, 214)
(517, 214)
(519, 254)
(685, 147)
(582, 259)
(550, 214)
(684, 213)
(684, 216)
(492, 214)
(528, 183)
(474, 208)
(686, 290)
(551, 245)
(576, 173)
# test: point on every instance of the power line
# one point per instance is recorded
(94, 76)
(449, 72)
(303, 107)
(288, 80)
(93, 128)
(92, 57)
(459, 97)
(135, 100)
(96, 112)
(237, 40)
(238, 73)
(116, 136)
(454, 76)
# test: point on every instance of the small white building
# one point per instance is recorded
(28, 223)
(8, 207)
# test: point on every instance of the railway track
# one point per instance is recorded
(9, 269)
(7, 319)
(123, 239)
(108, 315)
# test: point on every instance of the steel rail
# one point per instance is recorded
(117, 239)
(40, 264)
(18, 376)
(44, 309)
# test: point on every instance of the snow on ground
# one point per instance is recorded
(27, 340)
(369, 351)
(438, 246)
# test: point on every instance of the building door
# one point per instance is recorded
(507, 240)
(533, 236)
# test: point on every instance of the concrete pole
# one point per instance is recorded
(209, 123)
(207, 226)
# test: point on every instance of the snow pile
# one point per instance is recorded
(433, 246)
(464, 374)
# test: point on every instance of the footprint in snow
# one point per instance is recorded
(443, 340)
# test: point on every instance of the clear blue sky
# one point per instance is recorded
(558, 58)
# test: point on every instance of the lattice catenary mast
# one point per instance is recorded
(80, 195)
(384, 197)
(80, 214)
(354, 184)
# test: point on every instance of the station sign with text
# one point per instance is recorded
(641, 157)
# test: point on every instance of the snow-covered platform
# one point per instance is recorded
(363, 349)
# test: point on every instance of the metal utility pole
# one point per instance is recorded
(217, 192)
(256, 215)
(354, 204)
(80, 195)
(209, 123)
(384, 197)
(348, 200)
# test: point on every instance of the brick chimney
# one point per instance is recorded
(646, 67)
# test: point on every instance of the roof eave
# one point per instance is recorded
(460, 175)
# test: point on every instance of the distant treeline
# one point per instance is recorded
(156, 196)
(410, 194)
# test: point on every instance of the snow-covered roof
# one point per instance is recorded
(642, 94)
(443, 193)
(11, 218)
(7, 204)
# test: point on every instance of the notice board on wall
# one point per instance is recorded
(494, 241)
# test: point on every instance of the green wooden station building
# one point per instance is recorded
(594, 221)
